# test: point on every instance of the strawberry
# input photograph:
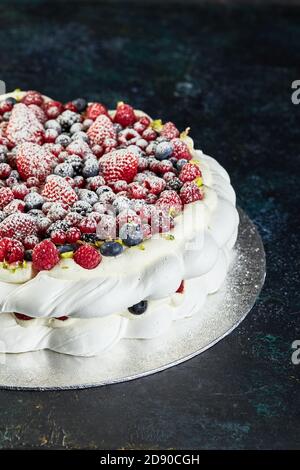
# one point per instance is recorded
(190, 192)
(119, 164)
(53, 109)
(6, 196)
(94, 110)
(180, 149)
(169, 201)
(11, 250)
(18, 226)
(101, 129)
(23, 126)
(87, 257)
(125, 115)
(34, 161)
(180, 289)
(45, 255)
(169, 130)
(189, 172)
(39, 113)
(33, 97)
(57, 189)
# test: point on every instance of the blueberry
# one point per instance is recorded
(64, 169)
(90, 168)
(15, 174)
(37, 213)
(163, 150)
(102, 190)
(2, 216)
(174, 184)
(77, 127)
(80, 135)
(53, 124)
(68, 118)
(33, 201)
(80, 104)
(28, 255)
(81, 207)
(11, 100)
(139, 308)
(58, 225)
(118, 128)
(88, 196)
(86, 124)
(111, 248)
(63, 139)
(76, 163)
(131, 234)
(121, 203)
(66, 248)
(180, 163)
(174, 161)
(90, 237)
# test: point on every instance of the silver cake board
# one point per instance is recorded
(131, 359)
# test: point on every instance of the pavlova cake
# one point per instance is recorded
(112, 225)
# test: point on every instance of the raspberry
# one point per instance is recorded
(181, 288)
(50, 136)
(73, 235)
(94, 110)
(20, 190)
(34, 161)
(189, 172)
(119, 165)
(165, 166)
(154, 184)
(11, 250)
(118, 186)
(57, 189)
(169, 130)
(45, 256)
(6, 195)
(142, 124)
(125, 115)
(30, 242)
(5, 170)
(190, 192)
(88, 225)
(95, 182)
(23, 126)
(149, 134)
(136, 191)
(70, 106)
(32, 97)
(18, 226)
(5, 107)
(98, 150)
(180, 149)
(101, 129)
(53, 109)
(87, 257)
(31, 183)
(58, 237)
(169, 201)
(78, 147)
(73, 218)
(16, 205)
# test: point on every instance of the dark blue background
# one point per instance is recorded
(226, 71)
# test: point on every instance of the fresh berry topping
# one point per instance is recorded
(14, 206)
(131, 234)
(6, 196)
(20, 190)
(23, 126)
(5, 170)
(11, 250)
(34, 161)
(169, 130)
(100, 130)
(5, 106)
(80, 104)
(190, 192)
(18, 226)
(32, 97)
(78, 147)
(88, 225)
(96, 182)
(136, 191)
(169, 201)
(57, 189)
(94, 110)
(39, 113)
(119, 165)
(181, 288)
(125, 115)
(139, 308)
(45, 255)
(87, 257)
(149, 134)
(111, 248)
(154, 184)
(163, 150)
(189, 172)
(180, 149)
(71, 106)
(30, 242)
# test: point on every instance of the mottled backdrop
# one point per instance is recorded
(226, 71)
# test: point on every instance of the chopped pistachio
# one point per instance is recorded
(157, 125)
(67, 255)
(185, 133)
(199, 181)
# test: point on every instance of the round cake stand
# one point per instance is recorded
(131, 359)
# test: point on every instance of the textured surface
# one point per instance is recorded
(229, 77)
